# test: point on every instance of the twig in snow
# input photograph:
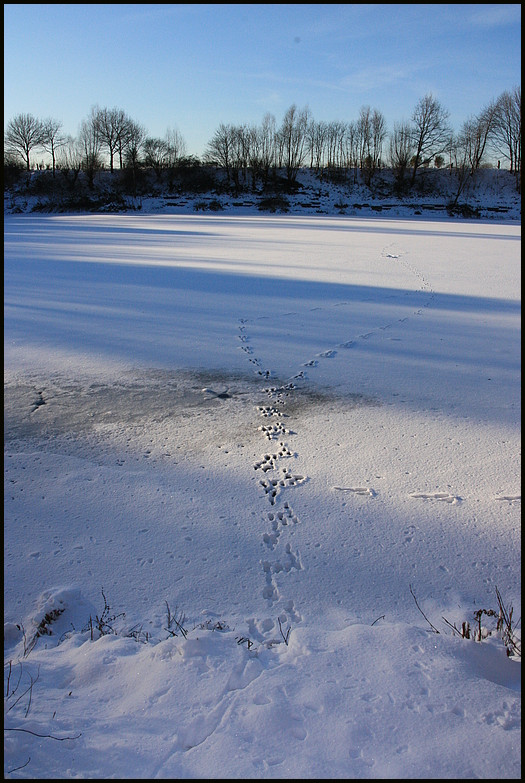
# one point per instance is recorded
(11, 693)
(15, 769)
(178, 622)
(510, 640)
(422, 612)
(45, 736)
(285, 637)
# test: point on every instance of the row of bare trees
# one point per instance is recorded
(248, 154)
(365, 146)
(299, 141)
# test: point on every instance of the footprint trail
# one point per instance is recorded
(276, 463)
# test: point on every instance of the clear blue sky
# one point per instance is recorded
(192, 67)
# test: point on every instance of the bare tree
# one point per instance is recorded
(474, 136)
(116, 131)
(292, 135)
(176, 146)
(221, 149)
(379, 134)
(401, 150)
(268, 132)
(364, 135)
(90, 145)
(133, 145)
(507, 130)
(53, 139)
(460, 152)
(334, 144)
(316, 134)
(245, 141)
(262, 149)
(482, 129)
(155, 154)
(131, 150)
(371, 130)
(352, 148)
(24, 133)
(70, 154)
(254, 161)
(124, 133)
(112, 127)
(240, 138)
(430, 132)
(70, 160)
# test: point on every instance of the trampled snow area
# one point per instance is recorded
(256, 469)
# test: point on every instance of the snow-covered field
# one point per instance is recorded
(256, 468)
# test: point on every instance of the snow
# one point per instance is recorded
(256, 467)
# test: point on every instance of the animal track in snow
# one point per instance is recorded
(286, 563)
(278, 520)
(272, 486)
(141, 561)
(291, 612)
(281, 517)
(270, 592)
(269, 461)
(422, 286)
(271, 539)
(289, 479)
(39, 401)
(443, 496)
(291, 560)
(269, 410)
(367, 491)
(280, 393)
(510, 498)
(273, 431)
(508, 717)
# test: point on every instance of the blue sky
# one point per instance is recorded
(192, 67)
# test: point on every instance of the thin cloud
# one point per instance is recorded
(378, 77)
(496, 15)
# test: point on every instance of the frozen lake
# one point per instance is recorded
(275, 421)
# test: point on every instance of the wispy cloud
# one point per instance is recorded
(488, 15)
(140, 14)
(379, 77)
(270, 100)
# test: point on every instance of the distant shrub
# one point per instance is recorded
(13, 173)
(274, 204)
(462, 210)
(213, 206)
(336, 176)
(190, 176)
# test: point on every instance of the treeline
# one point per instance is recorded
(249, 156)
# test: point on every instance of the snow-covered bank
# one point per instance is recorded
(490, 195)
(237, 444)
